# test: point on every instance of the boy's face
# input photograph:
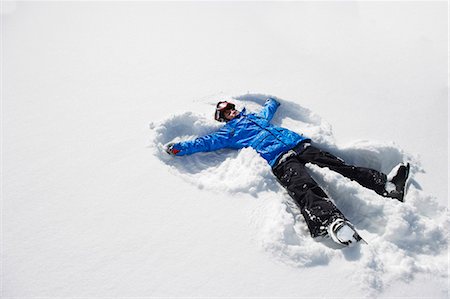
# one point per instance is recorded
(230, 114)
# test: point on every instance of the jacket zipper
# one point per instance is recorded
(276, 137)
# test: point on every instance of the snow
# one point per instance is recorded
(92, 206)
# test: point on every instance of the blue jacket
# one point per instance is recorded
(247, 130)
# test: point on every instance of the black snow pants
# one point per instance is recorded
(317, 209)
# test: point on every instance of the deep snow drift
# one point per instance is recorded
(404, 238)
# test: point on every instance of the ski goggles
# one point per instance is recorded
(221, 108)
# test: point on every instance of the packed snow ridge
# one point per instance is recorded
(404, 238)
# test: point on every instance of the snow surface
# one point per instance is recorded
(92, 206)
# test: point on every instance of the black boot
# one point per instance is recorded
(399, 181)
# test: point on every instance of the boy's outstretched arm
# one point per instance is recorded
(269, 109)
(215, 141)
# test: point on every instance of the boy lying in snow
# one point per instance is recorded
(287, 153)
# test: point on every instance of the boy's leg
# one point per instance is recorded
(315, 206)
(366, 177)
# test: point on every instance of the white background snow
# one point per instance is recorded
(92, 206)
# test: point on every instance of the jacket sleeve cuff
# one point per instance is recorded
(273, 100)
